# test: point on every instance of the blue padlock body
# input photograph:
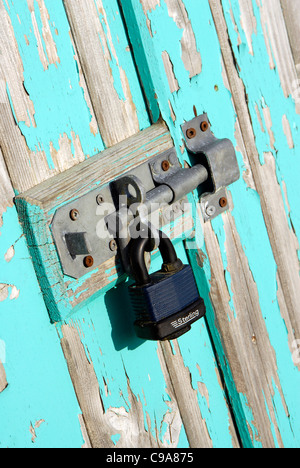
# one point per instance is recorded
(168, 294)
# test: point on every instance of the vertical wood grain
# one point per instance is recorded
(242, 253)
(108, 68)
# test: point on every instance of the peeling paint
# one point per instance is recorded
(190, 53)
(30, 341)
(288, 132)
(9, 254)
(57, 110)
(8, 290)
(3, 381)
(32, 429)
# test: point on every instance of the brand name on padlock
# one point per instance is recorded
(184, 320)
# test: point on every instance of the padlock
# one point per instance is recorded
(167, 302)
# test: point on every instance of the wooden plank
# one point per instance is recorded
(282, 238)
(28, 398)
(6, 190)
(255, 391)
(35, 145)
(144, 413)
(276, 40)
(38, 205)
(108, 68)
(292, 17)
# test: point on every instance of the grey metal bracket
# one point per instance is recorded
(99, 225)
(95, 227)
(220, 160)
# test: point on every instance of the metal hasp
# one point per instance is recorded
(99, 225)
(92, 229)
(219, 156)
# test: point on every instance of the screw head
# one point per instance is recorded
(191, 133)
(74, 214)
(99, 199)
(223, 202)
(165, 165)
(204, 126)
(88, 261)
(113, 245)
(210, 210)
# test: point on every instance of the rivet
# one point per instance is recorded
(191, 133)
(88, 261)
(113, 245)
(74, 215)
(223, 202)
(165, 165)
(204, 126)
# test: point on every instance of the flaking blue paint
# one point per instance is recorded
(60, 107)
(200, 91)
(264, 88)
(106, 328)
(39, 386)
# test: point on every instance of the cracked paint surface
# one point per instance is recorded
(277, 136)
(58, 110)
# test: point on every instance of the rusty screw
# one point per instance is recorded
(191, 133)
(99, 199)
(223, 202)
(165, 165)
(74, 215)
(113, 245)
(204, 126)
(88, 261)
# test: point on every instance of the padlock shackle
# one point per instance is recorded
(137, 260)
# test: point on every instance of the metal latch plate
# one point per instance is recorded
(80, 228)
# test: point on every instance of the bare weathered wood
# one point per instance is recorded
(3, 381)
(284, 250)
(117, 118)
(6, 190)
(86, 388)
(276, 40)
(186, 396)
(284, 246)
(27, 167)
(101, 169)
(102, 425)
(291, 14)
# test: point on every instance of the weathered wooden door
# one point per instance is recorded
(80, 76)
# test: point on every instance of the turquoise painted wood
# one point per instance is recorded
(158, 29)
(233, 380)
(137, 398)
(265, 90)
(38, 407)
